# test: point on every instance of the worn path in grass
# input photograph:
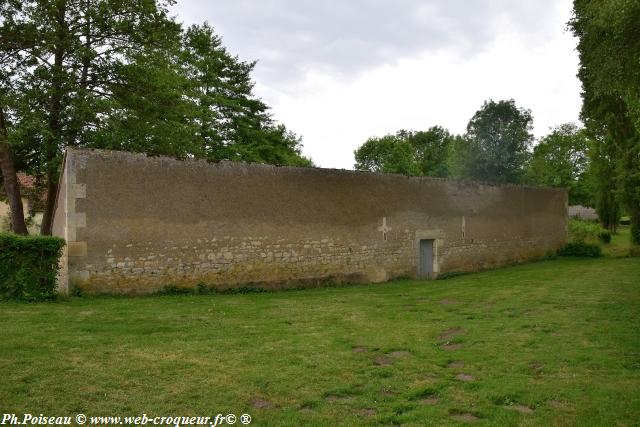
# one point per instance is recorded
(549, 343)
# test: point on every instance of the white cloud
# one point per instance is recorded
(336, 116)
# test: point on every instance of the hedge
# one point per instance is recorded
(581, 249)
(29, 266)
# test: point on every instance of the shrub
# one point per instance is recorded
(605, 236)
(176, 290)
(29, 266)
(587, 231)
(581, 249)
(249, 289)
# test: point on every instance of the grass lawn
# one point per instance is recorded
(549, 343)
(620, 243)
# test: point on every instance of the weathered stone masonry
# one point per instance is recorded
(135, 224)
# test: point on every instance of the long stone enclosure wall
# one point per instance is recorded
(136, 224)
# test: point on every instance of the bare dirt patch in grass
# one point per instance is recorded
(451, 333)
(368, 412)
(306, 410)
(260, 403)
(448, 302)
(556, 404)
(383, 361)
(451, 347)
(337, 398)
(465, 417)
(465, 377)
(520, 408)
(456, 364)
(430, 401)
(387, 392)
(360, 349)
(399, 354)
(429, 377)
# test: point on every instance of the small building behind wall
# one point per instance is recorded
(135, 224)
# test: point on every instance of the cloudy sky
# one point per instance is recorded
(338, 72)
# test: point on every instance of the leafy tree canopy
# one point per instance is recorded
(410, 153)
(609, 47)
(495, 146)
(122, 74)
(561, 159)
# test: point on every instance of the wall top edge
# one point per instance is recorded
(248, 166)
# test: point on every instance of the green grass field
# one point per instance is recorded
(548, 343)
(620, 244)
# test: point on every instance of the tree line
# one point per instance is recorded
(496, 147)
(122, 75)
(608, 33)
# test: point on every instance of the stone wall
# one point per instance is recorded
(583, 212)
(135, 224)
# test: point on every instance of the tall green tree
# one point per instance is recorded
(276, 145)
(221, 88)
(421, 153)
(67, 65)
(9, 179)
(387, 154)
(230, 122)
(609, 47)
(431, 150)
(148, 110)
(495, 147)
(603, 171)
(561, 159)
(122, 74)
